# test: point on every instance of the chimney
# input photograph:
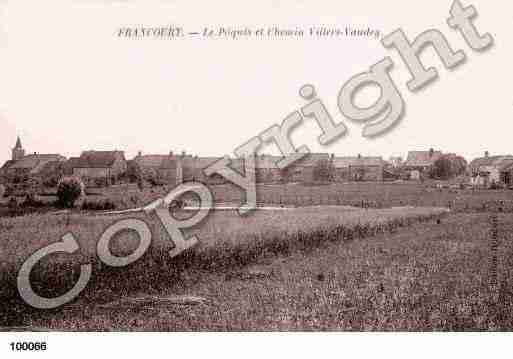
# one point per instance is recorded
(359, 156)
(431, 152)
(487, 154)
(139, 154)
(171, 153)
(183, 153)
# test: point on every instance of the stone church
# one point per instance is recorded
(22, 166)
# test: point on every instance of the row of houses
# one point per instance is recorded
(313, 167)
(99, 168)
(484, 171)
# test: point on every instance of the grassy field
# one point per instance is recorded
(375, 195)
(330, 267)
(424, 277)
(367, 194)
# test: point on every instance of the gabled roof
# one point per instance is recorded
(35, 162)
(98, 159)
(348, 161)
(422, 158)
(499, 162)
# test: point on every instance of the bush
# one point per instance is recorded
(69, 190)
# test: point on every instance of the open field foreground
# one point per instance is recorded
(426, 277)
(430, 276)
(227, 243)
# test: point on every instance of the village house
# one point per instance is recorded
(357, 168)
(196, 166)
(311, 168)
(489, 170)
(419, 164)
(162, 169)
(99, 168)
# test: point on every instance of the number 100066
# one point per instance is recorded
(28, 346)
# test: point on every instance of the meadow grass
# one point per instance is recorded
(373, 194)
(226, 240)
(428, 277)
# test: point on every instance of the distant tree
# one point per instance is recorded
(322, 170)
(69, 190)
(448, 166)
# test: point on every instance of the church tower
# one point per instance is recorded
(18, 152)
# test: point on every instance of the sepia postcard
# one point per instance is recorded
(276, 167)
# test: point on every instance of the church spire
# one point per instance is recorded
(18, 152)
(18, 143)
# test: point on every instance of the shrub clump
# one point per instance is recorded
(69, 190)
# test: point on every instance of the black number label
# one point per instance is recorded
(28, 346)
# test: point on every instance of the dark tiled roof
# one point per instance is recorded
(422, 158)
(500, 162)
(348, 161)
(97, 159)
(35, 162)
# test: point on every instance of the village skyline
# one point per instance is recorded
(132, 152)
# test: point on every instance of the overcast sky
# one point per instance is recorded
(68, 83)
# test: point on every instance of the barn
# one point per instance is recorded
(99, 168)
(162, 169)
(311, 168)
(357, 168)
(419, 163)
(489, 170)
